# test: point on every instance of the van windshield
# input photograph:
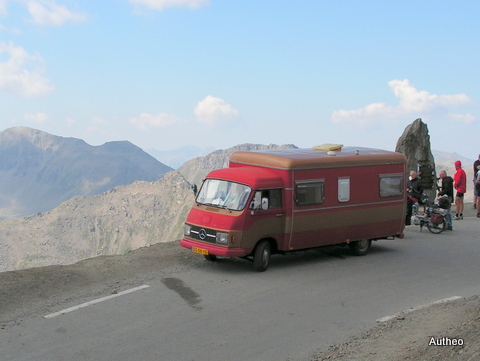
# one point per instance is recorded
(224, 194)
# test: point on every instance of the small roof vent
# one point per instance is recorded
(328, 147)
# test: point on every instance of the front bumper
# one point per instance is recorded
(213, 249)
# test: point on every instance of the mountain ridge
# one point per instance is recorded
(38, 171)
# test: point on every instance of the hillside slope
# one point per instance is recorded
(115, 222)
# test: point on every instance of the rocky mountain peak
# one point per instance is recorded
(21, 136)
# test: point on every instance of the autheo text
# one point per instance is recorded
(445, 341)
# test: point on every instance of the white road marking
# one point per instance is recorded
(388, 318)
(93, 302)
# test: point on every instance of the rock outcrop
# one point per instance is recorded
(414, 143)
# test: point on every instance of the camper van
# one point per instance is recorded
(280, 201)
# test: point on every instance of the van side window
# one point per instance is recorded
(391, 185)
(343, 189)
(309, 193)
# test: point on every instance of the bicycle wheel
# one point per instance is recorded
(436, 228)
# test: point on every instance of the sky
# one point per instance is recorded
(164, 74)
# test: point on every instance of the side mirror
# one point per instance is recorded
(258, 202)
(264, 204)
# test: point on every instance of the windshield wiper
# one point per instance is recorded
(216, 205)
(208, 204)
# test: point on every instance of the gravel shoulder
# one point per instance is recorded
(413, 335)
(422, 335)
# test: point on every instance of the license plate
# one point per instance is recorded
(200, 250)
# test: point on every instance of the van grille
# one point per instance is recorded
(203, 234)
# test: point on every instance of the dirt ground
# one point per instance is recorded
(410, 336)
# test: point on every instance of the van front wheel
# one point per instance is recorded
(360, 248)
(261, 256)
(210, 257)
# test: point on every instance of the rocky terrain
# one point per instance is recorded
(38, 171)
(115, 222)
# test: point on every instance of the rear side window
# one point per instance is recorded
(391, 185)
(309, 193)
(343, 189)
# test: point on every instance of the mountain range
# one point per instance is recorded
(38, 171)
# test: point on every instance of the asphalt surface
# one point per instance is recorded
(301, 305)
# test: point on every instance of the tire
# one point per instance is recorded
(436, 228)
(360, 248)
(261, 256)
(210, 257)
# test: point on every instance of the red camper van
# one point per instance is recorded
(279, 201)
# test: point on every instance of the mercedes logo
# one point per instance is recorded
(202, 234)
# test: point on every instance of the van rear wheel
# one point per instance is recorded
(261, 256)
(360, 248)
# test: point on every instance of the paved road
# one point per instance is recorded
(225, 311)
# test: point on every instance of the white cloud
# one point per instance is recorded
(413, 103)
(3, 7)
(462, 118)
(162, 4)
(48, 12)
(212, 110)
(36, 117)
(145, 120)
(14, 31)
(21, 74)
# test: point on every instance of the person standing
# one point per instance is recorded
(415, 191)
(477, 186)
(414, 186)
(475, 191)
(447, 189)
(460, 184)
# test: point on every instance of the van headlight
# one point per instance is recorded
(222, 237)
(186, 229)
